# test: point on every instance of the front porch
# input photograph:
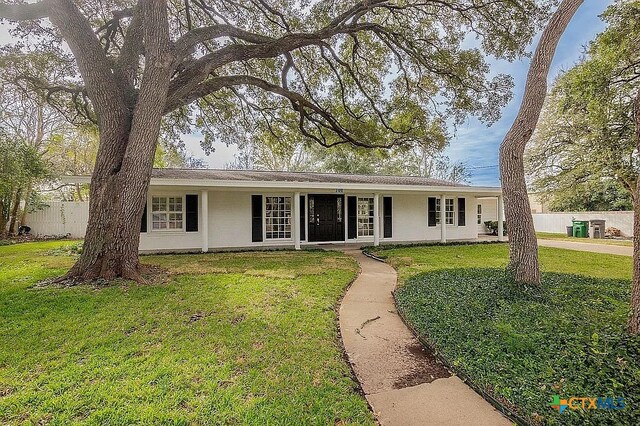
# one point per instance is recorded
(199, 210)
(244, 218)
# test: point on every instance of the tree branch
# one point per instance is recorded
(200, 69)
(187, 42)
(308, 111)
(132, 48)
(104, 89)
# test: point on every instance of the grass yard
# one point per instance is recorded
(564, 237)
(523, 347)
(226, 339)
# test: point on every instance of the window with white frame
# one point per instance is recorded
(479, 214)
(365, 217)
(438, 209)
(277, 217)
(449, 211)
(166, 213)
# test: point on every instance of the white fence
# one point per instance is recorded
(558, 222)
(60, 218)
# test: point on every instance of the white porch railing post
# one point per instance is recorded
(296, 220)
(376, 219)
(204, 200)
(443, 218)
(500, 218)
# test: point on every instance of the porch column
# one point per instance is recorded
(204, 200)
(376, 219)
(500, 218)
(296, 220)
(443, 218)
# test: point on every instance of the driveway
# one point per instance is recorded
(591, 247)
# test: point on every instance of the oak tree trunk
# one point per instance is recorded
(14, 211)
(523, 245)
(634, 319)
(3, 220)
(121, 176)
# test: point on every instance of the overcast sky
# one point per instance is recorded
(474, 143)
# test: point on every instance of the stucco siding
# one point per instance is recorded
(173, 240)
(170, 241)
(230, 219)
(410, 220)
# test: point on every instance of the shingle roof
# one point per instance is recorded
(270, 176)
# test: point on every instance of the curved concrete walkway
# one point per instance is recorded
(401, 381)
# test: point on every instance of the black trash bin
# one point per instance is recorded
(570, 231)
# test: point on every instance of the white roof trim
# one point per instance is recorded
(206, 183)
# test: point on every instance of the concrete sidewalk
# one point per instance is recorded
(403, 383)
(591, 247)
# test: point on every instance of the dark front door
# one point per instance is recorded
(326, 218)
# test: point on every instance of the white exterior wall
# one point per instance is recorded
(410, 219)
(558, 222)
(169, 240)
(229, 220)
(537, 204)
(60, 218)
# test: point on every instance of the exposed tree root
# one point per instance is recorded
(142, 275)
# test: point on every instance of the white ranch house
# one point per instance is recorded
(203, 210)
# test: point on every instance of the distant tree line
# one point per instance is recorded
(583, 155)
(267, 153)
(39, 144)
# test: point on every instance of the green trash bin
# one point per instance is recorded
(580, 229)
(585, 223)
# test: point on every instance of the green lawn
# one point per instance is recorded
(564, 237)
(224, 339)
(523, 347)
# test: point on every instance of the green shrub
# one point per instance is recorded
(524, 346)
(492, 227)
(379, 251)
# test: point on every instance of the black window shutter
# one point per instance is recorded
(192, 212)
(387, 212)
(256, 218)
(352, 206)
(303, 223)
(431, 216)
(143, 222)
(462, 215)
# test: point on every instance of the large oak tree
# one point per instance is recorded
(582, 155)
(598, 104)
(367, 73)
(523, 245)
